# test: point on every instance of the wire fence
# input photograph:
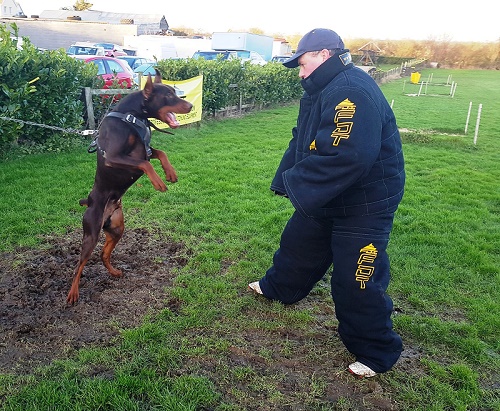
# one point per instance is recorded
(405, 69)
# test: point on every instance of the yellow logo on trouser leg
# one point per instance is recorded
(365, 264)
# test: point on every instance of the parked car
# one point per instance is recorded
(111, 49)
(144, 70)
(111, 69)
(280, 59)
(83, 50)
(135, 61)
(214, 55)
(130, 51)
(252, 56)
(243, 55)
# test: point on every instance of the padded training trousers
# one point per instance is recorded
(356, 245)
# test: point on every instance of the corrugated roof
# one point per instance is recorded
(104, 16)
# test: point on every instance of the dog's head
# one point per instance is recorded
(161, 101)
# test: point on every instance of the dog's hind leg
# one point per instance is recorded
(113, 229)
(92, 220)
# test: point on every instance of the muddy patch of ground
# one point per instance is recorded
(36, 324)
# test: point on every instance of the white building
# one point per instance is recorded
(11, 8)
(146, 23)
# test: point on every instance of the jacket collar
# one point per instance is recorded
(320, 77)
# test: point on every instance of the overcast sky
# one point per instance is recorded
(374, 20)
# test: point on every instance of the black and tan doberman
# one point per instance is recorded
(123, 154)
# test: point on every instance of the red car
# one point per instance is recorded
(111, 69)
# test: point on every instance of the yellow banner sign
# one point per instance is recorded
(192, 91)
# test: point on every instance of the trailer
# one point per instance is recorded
(281, 47)
(153, 47)
(244, 42)
(165, 47)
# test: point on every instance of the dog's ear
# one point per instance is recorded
(157, 76)
(148, 88)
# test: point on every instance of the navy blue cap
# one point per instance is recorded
(315, 40)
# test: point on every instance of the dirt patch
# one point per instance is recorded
(36, 324)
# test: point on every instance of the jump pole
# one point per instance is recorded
(468, 117)
(420, 90)
(453, 88)
(477, 122)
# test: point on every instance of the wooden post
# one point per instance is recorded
(90, 109)
(241, 102)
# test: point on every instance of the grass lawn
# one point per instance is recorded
(222, 348)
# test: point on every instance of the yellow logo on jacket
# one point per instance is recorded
(344, 111)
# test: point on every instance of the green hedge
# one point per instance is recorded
(225, 82)
(45, 87)
(38, 86)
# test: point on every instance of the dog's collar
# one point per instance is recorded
(141, 127)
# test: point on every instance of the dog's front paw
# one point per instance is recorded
(157, 182)
(161, 187)
(171, 175)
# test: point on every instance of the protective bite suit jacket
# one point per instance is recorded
(345, 156)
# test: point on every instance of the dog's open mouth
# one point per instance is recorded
(170, 119)
(167, 114)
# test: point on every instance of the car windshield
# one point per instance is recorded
(145, 69)
(280, 59)
(82, 51)
(106, 46)
(212, 55)
(243, 54)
